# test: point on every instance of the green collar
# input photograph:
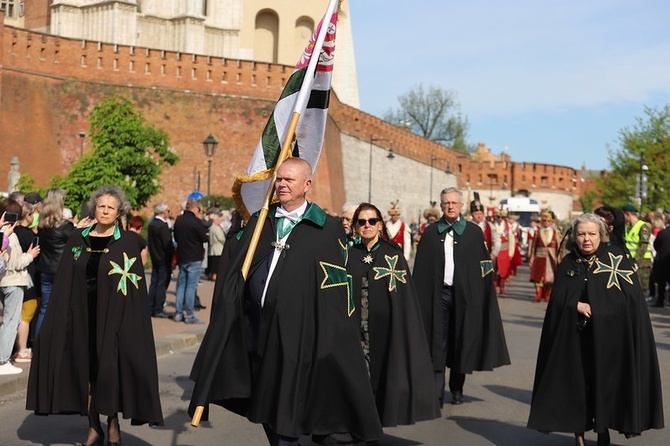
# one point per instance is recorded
(116, 235)
(458, 227)
(313, 213)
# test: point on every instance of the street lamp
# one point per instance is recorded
(492, 179)
(82, 135)
(447, 170)
(209, 144)
(642, 181)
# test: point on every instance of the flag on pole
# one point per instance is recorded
(249, 190)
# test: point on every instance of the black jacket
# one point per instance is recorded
(52, 242)
(159, 239)
(190, 234)
(660, 271)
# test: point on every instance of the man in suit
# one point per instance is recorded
(161, 250)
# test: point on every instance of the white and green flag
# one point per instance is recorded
(307, 92)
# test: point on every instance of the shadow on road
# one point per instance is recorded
(504, 434)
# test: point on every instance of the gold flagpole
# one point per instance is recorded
(283, 155)
(255, 237)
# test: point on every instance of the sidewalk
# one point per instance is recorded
(169, 336)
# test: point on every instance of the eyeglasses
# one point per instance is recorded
(370, 221)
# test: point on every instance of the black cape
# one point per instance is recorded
(127, 378)
(626, 395)
(312, 377)
(400, 365)
(478, 338)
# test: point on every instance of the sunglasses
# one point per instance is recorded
(370, 221)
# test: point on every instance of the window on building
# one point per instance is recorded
(12, 8)
(266, 36)
(304, 28)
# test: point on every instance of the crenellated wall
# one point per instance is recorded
(61, 58)
(49, 85)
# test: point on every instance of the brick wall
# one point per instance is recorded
(49, 85)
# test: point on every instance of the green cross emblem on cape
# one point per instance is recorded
(394, 274)
(487, 267)
(125, 274)
(614, 271)
(336, 275)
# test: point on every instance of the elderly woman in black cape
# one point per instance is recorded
(95, 353)
(392, 333)
(597, 366)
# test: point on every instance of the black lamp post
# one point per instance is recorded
(389, 156)
(209, 144)
(82, 135)
(493, 178)
(642, 181)
(447, 170)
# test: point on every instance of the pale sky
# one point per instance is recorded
(545, 81)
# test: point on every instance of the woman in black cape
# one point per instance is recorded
(392, 333)
(597, 366)
(95, 353)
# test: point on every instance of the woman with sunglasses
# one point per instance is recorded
(392, 333)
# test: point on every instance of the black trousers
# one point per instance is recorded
(456, 380)
(275, 439)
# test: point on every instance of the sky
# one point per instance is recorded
(542, 80)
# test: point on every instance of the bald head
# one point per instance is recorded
(294, 179)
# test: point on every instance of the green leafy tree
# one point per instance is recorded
(587, 201)
(128, 151)
(27, 184)
(646, 143)
(434, 114)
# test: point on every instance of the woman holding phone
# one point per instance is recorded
(12, 285)
(31, 295)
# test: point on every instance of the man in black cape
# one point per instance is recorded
(453, 273)
(283, 348)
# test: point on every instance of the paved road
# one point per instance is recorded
(494, 412)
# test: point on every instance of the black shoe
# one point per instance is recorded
(457, 397)
(200, 307)
(161, 315)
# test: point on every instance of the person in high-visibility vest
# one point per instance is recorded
(637, 237)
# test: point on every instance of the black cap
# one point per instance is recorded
(32, 198)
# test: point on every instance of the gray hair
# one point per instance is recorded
(192, 203)
(159, 208)
(112, 191)
(349, 204)
(590, 218)
(451, 190)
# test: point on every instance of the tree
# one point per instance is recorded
(128, 151)
(27, 184)
(647, 143)
(432, 113)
